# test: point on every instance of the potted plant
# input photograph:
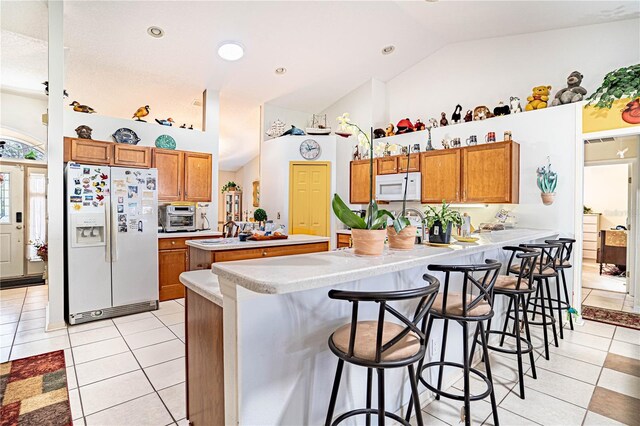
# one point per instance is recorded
(369, 233)
(440, 222)
(260, 216)
(547, 181)
(402, 235)
(230, 186)
(620, 91)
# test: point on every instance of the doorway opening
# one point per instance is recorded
(609, 221)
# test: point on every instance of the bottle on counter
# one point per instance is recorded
(465, 229)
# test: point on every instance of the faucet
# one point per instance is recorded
(422, 220)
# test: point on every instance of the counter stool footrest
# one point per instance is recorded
(475, 371)
(563, 304)
(550, 318)
(372, 412)
(528, 346)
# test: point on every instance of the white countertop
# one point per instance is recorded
(220, 244)
(204, 283)
(344, 231)
(198, 234)
(289, 274)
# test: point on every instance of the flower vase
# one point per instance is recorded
(405, 240)
(548, 198)
(368, 242)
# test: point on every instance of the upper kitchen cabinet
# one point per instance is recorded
(414, 163)
(170, 165)
(491, 173)
(387, 165)
(359, 181)
(197, 176)
(131, 156)
(87, 151)
(440, 176)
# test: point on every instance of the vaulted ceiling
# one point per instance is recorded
(327, 47)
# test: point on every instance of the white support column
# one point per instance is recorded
(211, 127)
(55, 191)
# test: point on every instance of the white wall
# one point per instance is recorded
(606, 191)
(274, 171)
(187, 140)
(484, 72)
(223, 178)
(245, 176)
(22, 114)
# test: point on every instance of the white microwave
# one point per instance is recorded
(391, 187)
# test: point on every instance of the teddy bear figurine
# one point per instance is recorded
(573, 92)
(538, 99)
(390, 130)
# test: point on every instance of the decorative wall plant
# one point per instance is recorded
(547, 182)
(619, 84)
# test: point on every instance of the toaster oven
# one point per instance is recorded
(174, 218)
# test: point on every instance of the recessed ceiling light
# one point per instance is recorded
(155, 32)
(231, 51)
(387, 50)
(281, 70)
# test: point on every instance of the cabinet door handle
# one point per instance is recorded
(173, 243)
(264, 253)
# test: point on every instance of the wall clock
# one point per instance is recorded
(310, 149)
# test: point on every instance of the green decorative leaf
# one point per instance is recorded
(345, 215)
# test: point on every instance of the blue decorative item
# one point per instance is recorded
(165, 142)
(125, 135)
(294, 131)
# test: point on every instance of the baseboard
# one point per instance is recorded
(28, 281)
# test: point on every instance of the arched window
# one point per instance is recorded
(14, 149)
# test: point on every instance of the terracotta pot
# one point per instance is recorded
(368, 242)
(405, 240)
(547, 198)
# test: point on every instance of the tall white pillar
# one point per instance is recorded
(211, 127)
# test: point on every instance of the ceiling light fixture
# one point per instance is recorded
(281, 70)
(155, 32)
(387, 50)
(231, 51)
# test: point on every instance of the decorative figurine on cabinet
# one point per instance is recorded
(84, 132)
(514, 105)
(446, 143)
(168, 122)
(416, 147)
(539, 98)
(184, 126)
(573, 92)
(429, 147)
(481, 113)
(404, 126)
(356, 153)
(379, 133)
(390, 130)
(293, 131)
(419, 126)
(433, 123)
(501, 109)
(141, 112)
(456, 117)
(443, 119)
(468, 116)
(77, 107)
(46, 90)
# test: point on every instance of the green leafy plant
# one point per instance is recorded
(618, 84)
(445, 215)
(547, 179)
(375, 218)
(401, 222)
(231, 186)
(260, 215)
(587, 210)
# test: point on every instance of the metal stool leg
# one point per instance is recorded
(528, 334)
(445, 329)
(381, 416)
(553, 324)
(414, 394)
(420, 364)
(465, 361)
(559, 307)
(566, 296)
(487, 364)
(506, 323)
(535, 308)
(518, 345)
(334, 392)
(369, 380)
(544, 319)
(473, 346)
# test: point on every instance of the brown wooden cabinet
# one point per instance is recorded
(440, 176)
(87, 151)
(197, 176)
(491, 173)
(343, 240)
(131, 156)
(414, 163)
(387, 165)
(170, 165)
(359, 181)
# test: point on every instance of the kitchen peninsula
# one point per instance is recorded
(276, 320)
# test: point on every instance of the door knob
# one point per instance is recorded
(18, 226)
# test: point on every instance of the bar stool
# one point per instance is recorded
(564, 262)
(545, 268)
(464, 308)
(515, 288)
(381, 344)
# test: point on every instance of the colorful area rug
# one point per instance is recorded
(623, 319)
(33, 391)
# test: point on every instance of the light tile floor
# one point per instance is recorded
(130, 370)
(125, 371)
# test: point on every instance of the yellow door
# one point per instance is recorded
(309, 198)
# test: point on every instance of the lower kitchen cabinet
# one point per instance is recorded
(343, 240)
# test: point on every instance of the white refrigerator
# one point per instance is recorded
(112, 241)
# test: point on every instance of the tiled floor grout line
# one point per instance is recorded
(15, 332)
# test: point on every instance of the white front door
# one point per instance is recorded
(11, 221)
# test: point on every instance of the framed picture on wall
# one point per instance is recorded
(256, 193)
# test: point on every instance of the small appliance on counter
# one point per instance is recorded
(179, 217)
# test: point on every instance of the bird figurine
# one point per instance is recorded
(168, 122)
(46, 90)
(184, 126)
(141, 112)
(82, 108)
(191, 127)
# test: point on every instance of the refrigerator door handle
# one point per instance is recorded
(107, 215)
(114, 237)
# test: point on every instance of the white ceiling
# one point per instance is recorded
(328, 48)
